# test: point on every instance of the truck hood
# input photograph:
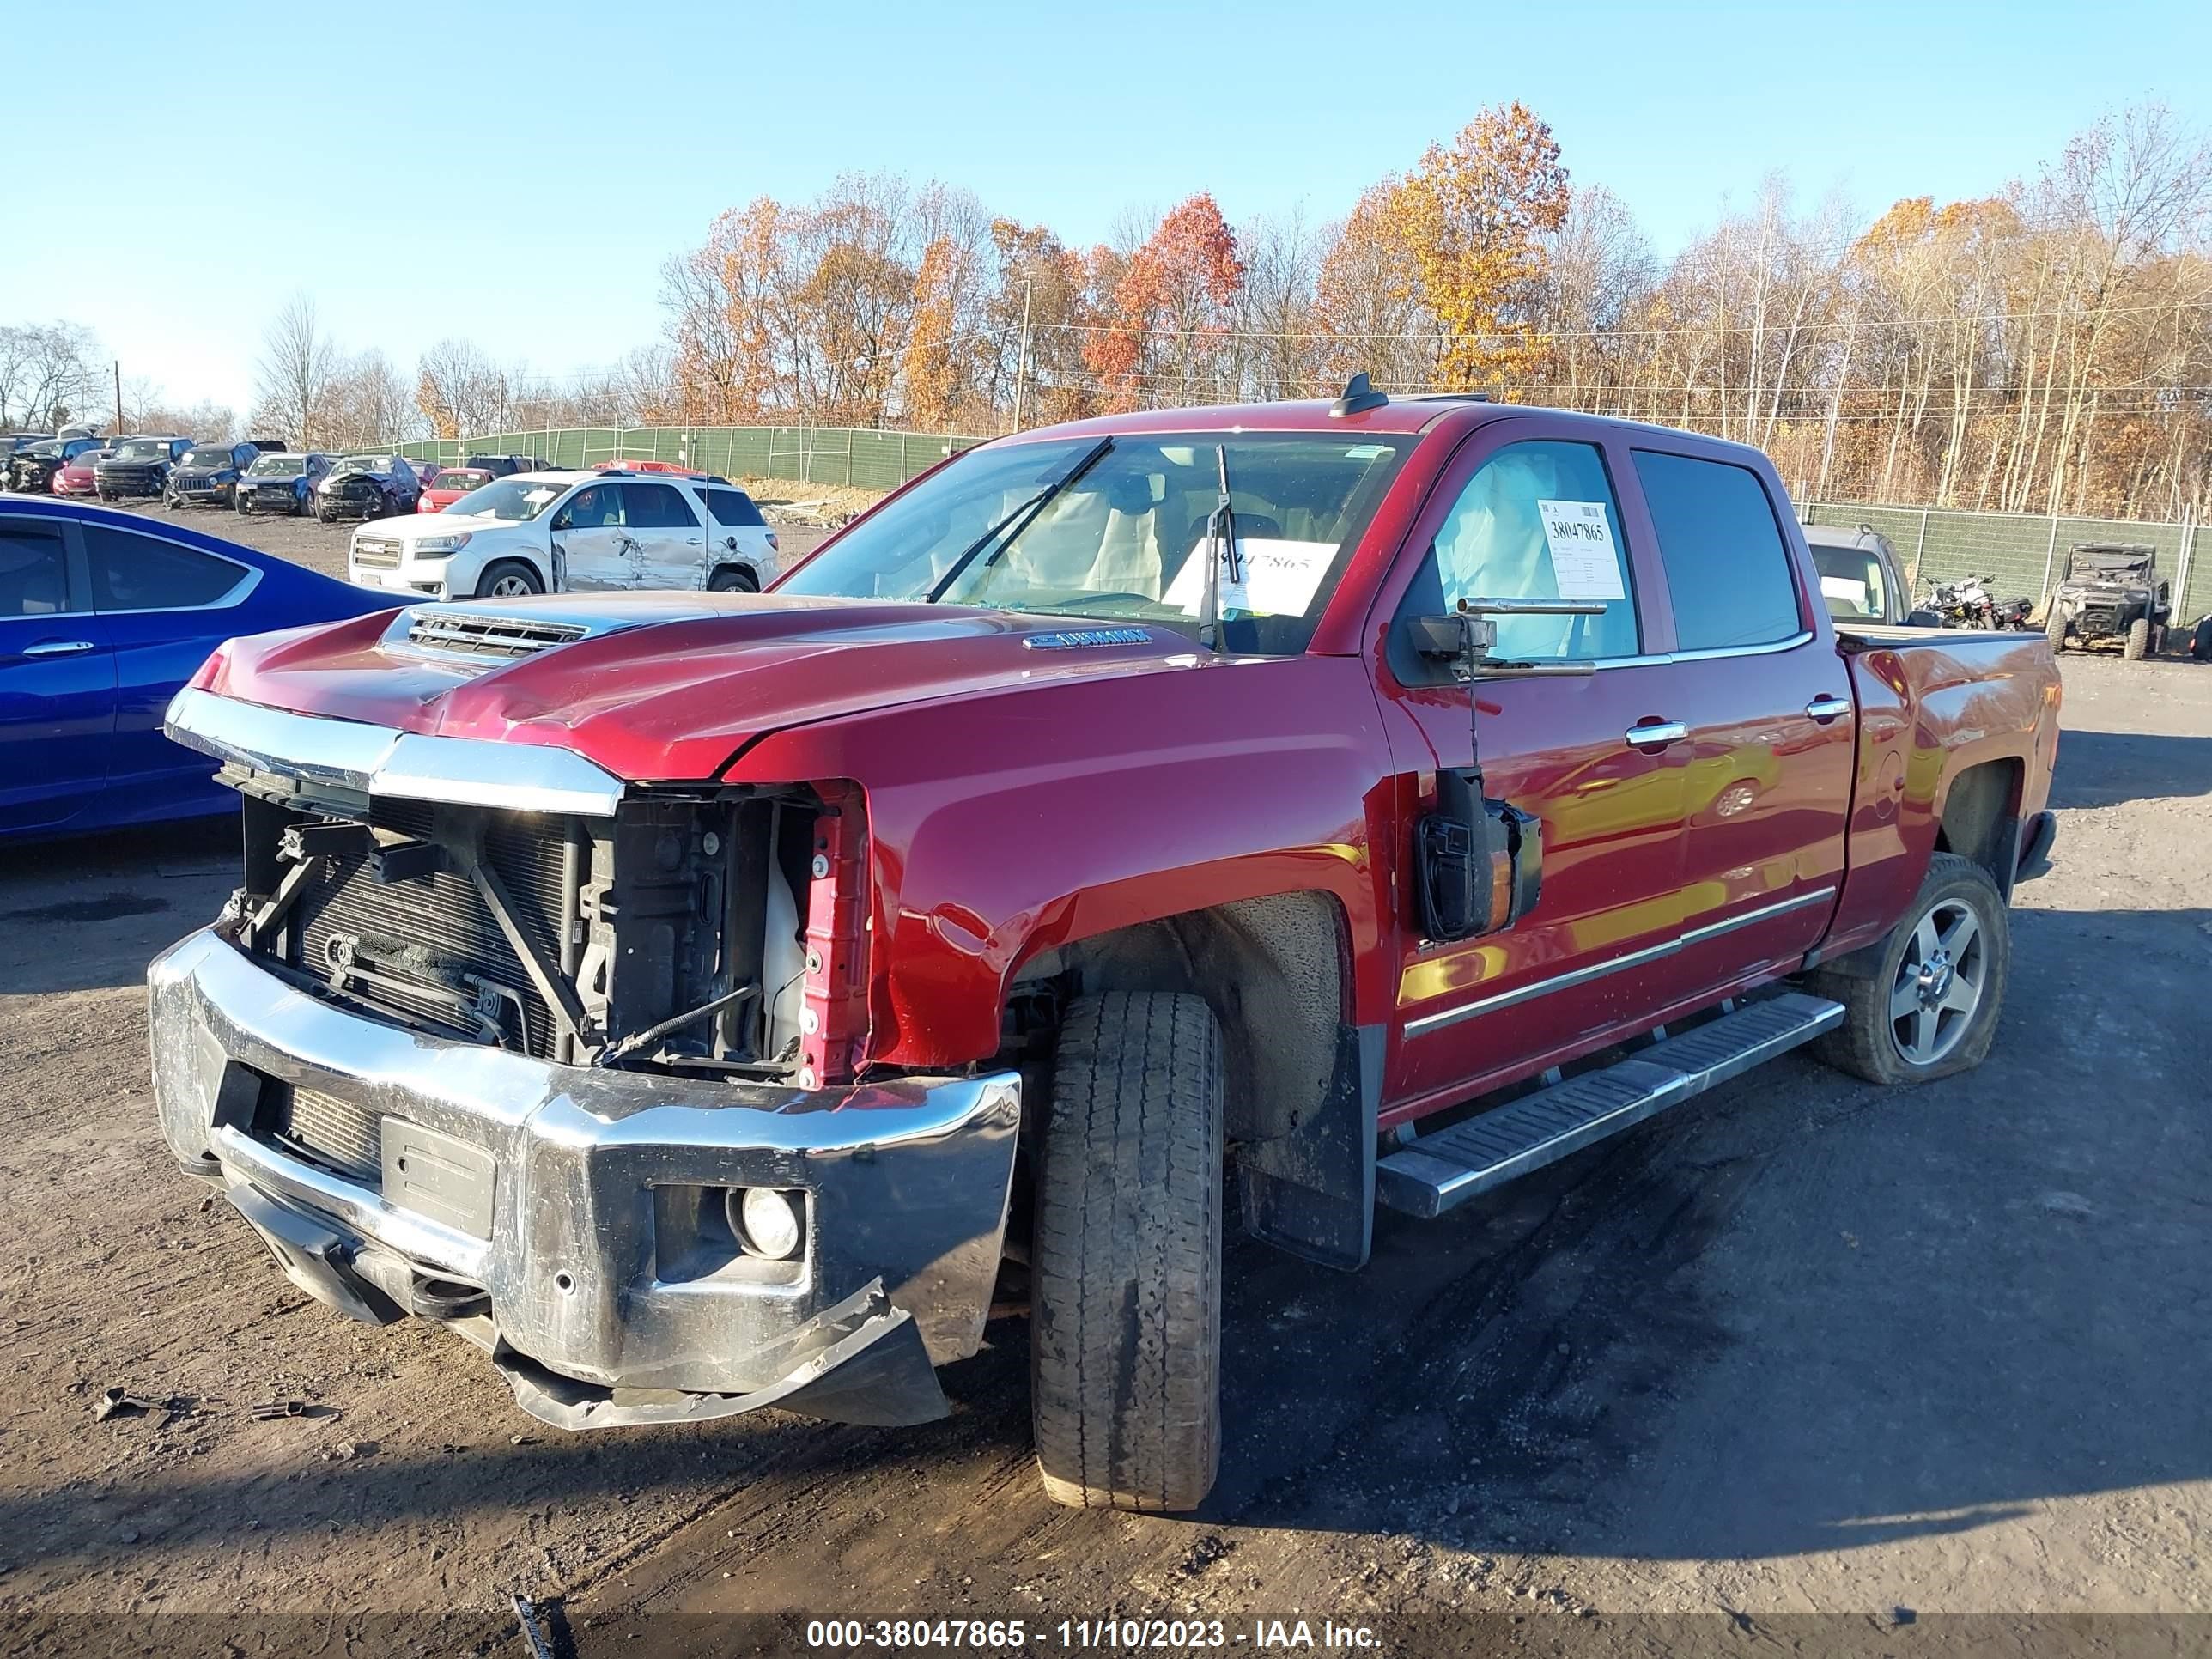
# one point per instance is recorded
(669, 686)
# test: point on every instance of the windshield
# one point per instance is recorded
(363, 464)
(142, 449)
(456, 477)
(217, 458)
(277, 466)
(51, 449)
(1118, 542)
(517, 501)
(1852, 583)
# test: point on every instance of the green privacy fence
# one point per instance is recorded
(803, 454)
(2024, 555)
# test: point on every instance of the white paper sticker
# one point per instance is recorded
(1580, 540)
(1279, 577)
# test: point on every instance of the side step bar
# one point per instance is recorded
(1451, 1166)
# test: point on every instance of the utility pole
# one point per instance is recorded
(118, 397)
(1022, 358)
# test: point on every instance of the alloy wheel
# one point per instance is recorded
(1939, 983)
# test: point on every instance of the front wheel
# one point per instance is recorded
(2054, 629)
(1125, 1359)
(508, 579)
(2137, 646)
(1930, 1006)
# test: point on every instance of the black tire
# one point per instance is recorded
(1868, 1043)
(2054, 629)
(1125, 1343)
(2137, 645)
(2200, 640)
(734, 578)
(501, 571)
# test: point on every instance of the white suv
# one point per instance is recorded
(573, 532)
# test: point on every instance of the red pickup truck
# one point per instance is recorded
(706, 1002)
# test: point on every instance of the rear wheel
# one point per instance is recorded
(2138, 641)
(1930, 1006)
(2054, 629)
(733, 579)
(508, 579)
(1125, 1343)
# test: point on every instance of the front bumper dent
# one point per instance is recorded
(571, 1227)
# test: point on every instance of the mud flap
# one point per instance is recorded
(1311, 1192)
(315, 1257)
(861, 1362)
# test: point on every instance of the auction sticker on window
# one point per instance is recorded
(1279, 577)
(1579, 537)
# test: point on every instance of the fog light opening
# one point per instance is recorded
(768, 1221)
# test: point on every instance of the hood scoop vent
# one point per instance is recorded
(477, 634)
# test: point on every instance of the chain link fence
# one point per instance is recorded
(801, 454)
(2022, 555)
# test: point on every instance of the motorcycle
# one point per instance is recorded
(1967, 603)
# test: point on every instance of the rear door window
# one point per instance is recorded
(1727, 566)
(732, 509)
(656, 506)
(131, 572)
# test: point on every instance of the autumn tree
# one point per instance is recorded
(1173, 308)
(1475, 213)
(1367, 297)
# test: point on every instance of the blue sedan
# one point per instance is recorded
(103, 617)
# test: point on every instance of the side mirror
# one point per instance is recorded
(561, 521)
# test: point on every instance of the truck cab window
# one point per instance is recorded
(1727, 568)
(1537, 521)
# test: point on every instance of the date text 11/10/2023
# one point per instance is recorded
(985, 1635)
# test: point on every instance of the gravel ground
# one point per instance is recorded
(1804, 1347)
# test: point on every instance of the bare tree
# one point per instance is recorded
(48, 374)
(294, 371)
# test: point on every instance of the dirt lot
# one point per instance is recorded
(1803, 1347)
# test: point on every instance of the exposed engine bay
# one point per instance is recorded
(670, 936)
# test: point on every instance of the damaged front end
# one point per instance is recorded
(489, 1037)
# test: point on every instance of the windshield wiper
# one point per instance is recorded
(1026, 513)
(1220, 549)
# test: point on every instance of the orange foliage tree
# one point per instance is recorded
(1474, 215)
(1173, 305)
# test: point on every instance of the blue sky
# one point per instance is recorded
(556, 153)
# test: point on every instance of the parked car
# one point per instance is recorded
(576, 532)
(1146, 831)
(365, 487)
(12, 441)
(76, 477)
(207, 474)
(139, 466)
(32, 469)
(281, 483)
(103, 617)
(1862, 579)
(2110, 594)
(450, 485)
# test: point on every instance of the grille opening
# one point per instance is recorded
(479, 635)
(344, 1139)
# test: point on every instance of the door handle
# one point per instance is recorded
(1656, 735)
(58, 649)
(1825, 709)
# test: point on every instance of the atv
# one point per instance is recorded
(2110, 594)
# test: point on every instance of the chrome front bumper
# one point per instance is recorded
(564, 1218)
